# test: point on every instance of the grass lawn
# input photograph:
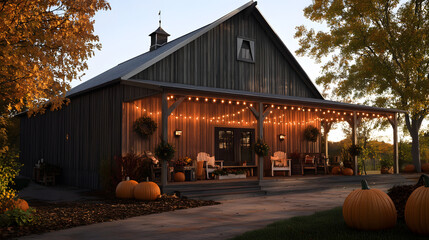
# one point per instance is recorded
(325, 225)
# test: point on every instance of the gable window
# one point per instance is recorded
(245, 50)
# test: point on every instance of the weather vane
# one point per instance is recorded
(159, 14)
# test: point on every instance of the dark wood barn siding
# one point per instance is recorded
(92, 122)
(210, 61)
(198, 126)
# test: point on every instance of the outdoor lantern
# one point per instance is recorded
(178, 133)
(282, 137)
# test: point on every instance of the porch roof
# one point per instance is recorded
(183, 89)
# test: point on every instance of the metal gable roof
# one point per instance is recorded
(137, 64)
(133, 66)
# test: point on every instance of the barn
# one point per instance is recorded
(222, 87)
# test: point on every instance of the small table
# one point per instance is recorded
(189, 172)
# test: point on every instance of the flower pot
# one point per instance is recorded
(386, 170)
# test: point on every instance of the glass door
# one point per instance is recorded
(234, 146)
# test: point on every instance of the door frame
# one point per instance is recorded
(236, 141)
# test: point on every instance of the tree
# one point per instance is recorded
(377, 50)
(44, 45)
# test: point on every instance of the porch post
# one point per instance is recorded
(261, 136)
(166, 111)
(354, 141)
(260, 115)
(164, 137)
(394, 123)
(326, 128)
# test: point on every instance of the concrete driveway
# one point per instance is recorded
(229, 219)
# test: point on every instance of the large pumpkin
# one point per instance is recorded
(347, 171)
(417, 209)
(147, 191)
(179, 177)
(336, 170)
(21, 204)
(425, 167)
(369, 209)
(410, 168)
(125, 189)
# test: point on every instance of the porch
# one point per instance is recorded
(252, 187)
(226, 123)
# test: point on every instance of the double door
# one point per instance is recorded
(234, 145)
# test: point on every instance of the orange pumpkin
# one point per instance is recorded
(179, 177)
(147, 191)
(369, 209)
(21, 204)
(410, 168)
(336, 170)
(425, 167)
(347, 172)
(125, 189)
(417, 209)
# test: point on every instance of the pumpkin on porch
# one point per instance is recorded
(369, 209)
(425, 167)
(417, 209)
(125, 189)
(336, 170)
(410, 168)
(21, 204)
(179, 177)
(147, 191)
(347, 172)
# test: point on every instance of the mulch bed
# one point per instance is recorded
(400, 194)
(56, 216)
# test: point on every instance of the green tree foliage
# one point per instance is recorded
(9, 169)
(376, 50)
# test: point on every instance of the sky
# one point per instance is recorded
(123, 31)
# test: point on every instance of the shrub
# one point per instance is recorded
(386, 163)
(9, 169)
(17, 217)
(137, 167)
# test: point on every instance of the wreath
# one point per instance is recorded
(145, 126)
(311, 133)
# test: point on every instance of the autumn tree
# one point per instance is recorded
(376, 50)
(44, 45)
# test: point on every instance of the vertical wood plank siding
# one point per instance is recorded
(92, 122)
(210, 61)
(202, 118)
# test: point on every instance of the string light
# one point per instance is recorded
(276, 113)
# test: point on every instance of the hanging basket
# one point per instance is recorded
(261, 148)
(311, 133)
(145, 126)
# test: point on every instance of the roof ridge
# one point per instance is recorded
(204, 30)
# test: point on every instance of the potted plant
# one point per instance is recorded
(227, 173)
(386, 166)
(181, 163)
